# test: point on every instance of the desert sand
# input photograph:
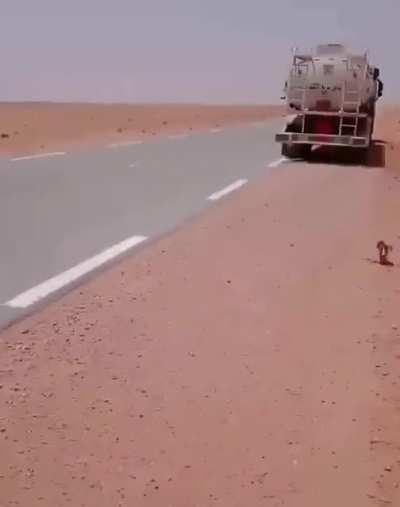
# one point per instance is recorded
(37, 127)
(388, 130)
(250, 358)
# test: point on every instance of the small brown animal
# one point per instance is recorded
(384, 250)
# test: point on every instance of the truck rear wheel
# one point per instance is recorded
(296, 150)
(306, 151)
(367, 156)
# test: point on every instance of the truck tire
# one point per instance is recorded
(291, 150)
(372, 125)
(365, 156)
(306, 151)
(296, 150)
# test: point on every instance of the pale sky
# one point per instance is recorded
(217, 51)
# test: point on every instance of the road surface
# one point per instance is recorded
(62, 215)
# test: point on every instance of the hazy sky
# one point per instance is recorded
(180, 50)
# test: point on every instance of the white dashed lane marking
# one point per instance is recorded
(38, 156)
(178, 136)
(56, 283)
(122, 144)
(227, 190)
(278, 162)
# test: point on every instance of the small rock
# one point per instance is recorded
(25, 331)
(388, 469)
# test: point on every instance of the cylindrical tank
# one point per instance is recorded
(329, 77)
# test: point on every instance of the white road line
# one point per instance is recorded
(178, 136)
(57, 282)
(125, 143)
(227, 190)
(39, 155)
(278, 162)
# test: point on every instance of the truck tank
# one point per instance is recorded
(318, 80)
(331, 95)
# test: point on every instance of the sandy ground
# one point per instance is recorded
(388, 130)
(250, 359)
(41, 127)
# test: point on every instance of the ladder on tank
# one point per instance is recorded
(299, 93)
(351, 104)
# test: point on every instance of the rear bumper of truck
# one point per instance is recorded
(322, 139)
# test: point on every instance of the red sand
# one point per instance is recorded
(388, 130)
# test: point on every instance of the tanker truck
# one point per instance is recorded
(330, 95)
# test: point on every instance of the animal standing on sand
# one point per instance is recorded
(384, 250)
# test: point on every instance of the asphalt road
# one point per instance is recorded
(60, 211)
